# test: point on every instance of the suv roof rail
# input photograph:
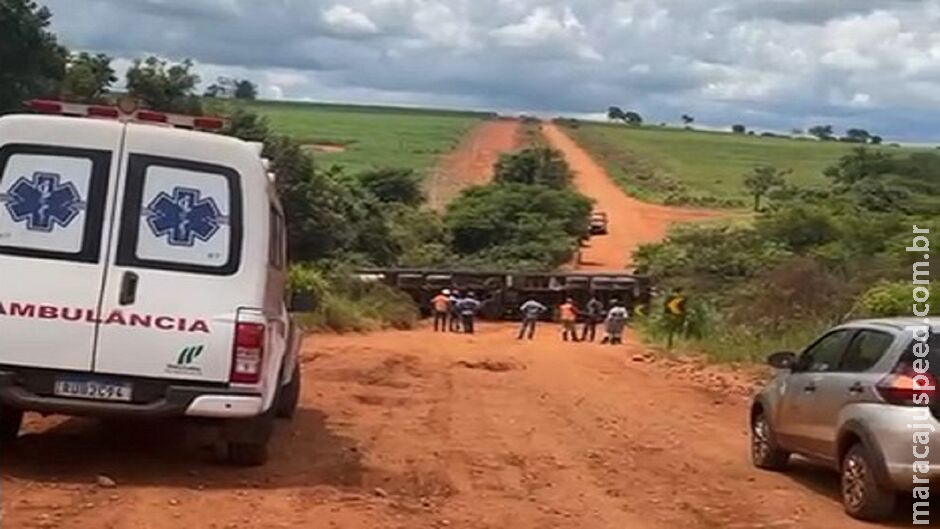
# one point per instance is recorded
(124, 114)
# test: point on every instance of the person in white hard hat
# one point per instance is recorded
(440, 306)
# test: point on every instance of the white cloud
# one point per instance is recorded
(273, 92)
(347, 21)
(779, 63)
(550, 29)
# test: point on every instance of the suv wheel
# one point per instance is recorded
(765, 453)
(863, 497)
(10, 422)
(289, 396)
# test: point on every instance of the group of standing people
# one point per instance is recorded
(614, 317)
(454, 312)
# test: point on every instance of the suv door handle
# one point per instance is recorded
(128, 289)
(857, 388)
(810, 388)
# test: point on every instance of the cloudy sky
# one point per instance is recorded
(773, 64)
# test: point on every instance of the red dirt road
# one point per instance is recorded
(631, 222)
(410, 429)
(404, 430)
(472, 163)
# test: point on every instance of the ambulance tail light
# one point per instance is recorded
(248, 353)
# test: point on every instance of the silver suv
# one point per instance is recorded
(859, 400)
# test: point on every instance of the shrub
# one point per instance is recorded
(518, 222)
(393, 185)
(533, 166)
(344, 303)
(886, 299)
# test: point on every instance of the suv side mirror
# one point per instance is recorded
(782, 360)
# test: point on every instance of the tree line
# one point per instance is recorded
(37, 65)
(812, 257)
(821, 132)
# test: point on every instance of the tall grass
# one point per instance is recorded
(706, 331)
(342, 303)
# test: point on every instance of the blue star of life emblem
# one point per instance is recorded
(43, 201)
(183, 217)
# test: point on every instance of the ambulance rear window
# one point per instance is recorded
(52, 201)
(181, 215)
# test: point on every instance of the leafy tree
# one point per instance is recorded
(739, 129)
(861, 163)
(823, 132)
(163, 86)
(518, 222)
(800, 227)
(421, 235)
(245, 89)
(246, 125)
(886, 299)
(633, 118)
(393, 185)
(857, 136)
(875, 195)
(220, 88)
(876, 140)
(534, 165)
(688, 119)
(88, 78)
(32, 63)
(762, 180)
(230, 87)
(615, 114)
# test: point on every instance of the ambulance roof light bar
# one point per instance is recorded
(119, 113)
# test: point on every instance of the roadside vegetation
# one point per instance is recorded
(816, 256)
(676, 166)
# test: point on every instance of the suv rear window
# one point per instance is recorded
(52, 201)
(181, 215)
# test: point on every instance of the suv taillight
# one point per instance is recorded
(248, 353)
(903, 385)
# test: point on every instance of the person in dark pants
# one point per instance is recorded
(531, 311)
(454, 311)
(468, 307)
(440, 305)
(593, 314)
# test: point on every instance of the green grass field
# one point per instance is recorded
(697, 167)
(370, 137)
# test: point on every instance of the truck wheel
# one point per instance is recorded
(248, 454)
(862, 496)
(289, 396)
(765, 453)
(10, 422)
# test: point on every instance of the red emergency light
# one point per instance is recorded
(110, 112)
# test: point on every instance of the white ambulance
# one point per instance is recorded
(142, 274)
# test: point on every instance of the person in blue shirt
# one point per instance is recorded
(531, 312)
(468, 308)
(454, 311)
(594, 314)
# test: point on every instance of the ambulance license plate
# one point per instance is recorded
(93, 389)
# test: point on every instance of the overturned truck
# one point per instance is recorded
(503, 292)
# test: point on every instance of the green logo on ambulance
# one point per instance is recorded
(189, 355)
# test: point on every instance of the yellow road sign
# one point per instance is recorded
(676, 305)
